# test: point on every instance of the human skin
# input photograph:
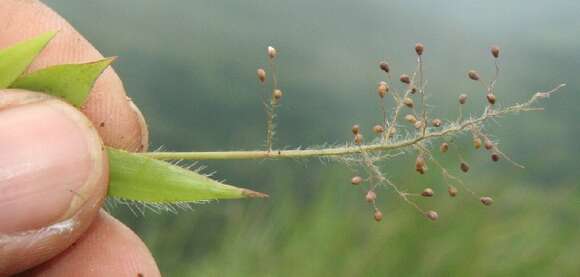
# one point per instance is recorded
(53, 167)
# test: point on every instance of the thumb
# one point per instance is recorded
(53, 176)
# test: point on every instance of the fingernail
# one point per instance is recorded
(46, 158)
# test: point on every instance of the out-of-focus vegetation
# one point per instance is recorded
(190, 66)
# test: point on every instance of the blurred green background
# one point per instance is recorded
(190, 66)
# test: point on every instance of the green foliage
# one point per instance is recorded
(136, 177)
(71, 82)
(14, 60)
(132, 177)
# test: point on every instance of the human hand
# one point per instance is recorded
(53, 168)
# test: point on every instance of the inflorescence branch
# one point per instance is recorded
(368, 155)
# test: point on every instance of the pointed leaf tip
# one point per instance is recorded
(253, 194)
(71, 82)
(15, 59)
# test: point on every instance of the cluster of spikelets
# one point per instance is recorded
(414, 85)
(410, 100)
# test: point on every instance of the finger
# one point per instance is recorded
(120, 123)
(108, 248)
(53, 177)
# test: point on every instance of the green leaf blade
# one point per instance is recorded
(71, 82)
(15, 60)
(136, 177)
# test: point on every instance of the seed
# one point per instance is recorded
(486, 200)
(495, 157)
(272, 53)
(378, 215)
(413, 89)
(277, 94)
(371, 196)
(428, 192)
(432, 215)
(488, 144)
(408, 102)
(384, 66)
(464, 167)
(420, 164)
(495, 51)
(420, 161)
(444, 147)
(462, 99)
(411, 118)
(378, 129)
(491, 98)
(452, 191)
(477, 143)
(358, 139)
(261, 74)
(419, 124)
(436, 122)
(473, 75)
(382, 89)
(355, 129)
(419, 49)
(405, 79)
(356, 180)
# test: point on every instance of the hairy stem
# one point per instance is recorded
(352, 149)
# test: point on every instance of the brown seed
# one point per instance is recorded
(419, 124)
(413, 89)
(473, 75)
(495, 157)
(371, 196)
(405, 79)
(477, 143)
(277, 94)
(464, 167)
(408, 102)
(420, 165)
(378, 129)
(491, 98)
(420, 161)
(261, 75)
(358, 139)
(382, 89)
(384, 66)
(432, 215)
(411, 118)
(495, 51)
(419, 48)
(428, 192)
(486, 200)
(452, 191)
(462, 99)
(436, 122)
(355, 129)
(488, 144)
(444, 147)
(272, 53)
(356, 180)
(378, 215)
